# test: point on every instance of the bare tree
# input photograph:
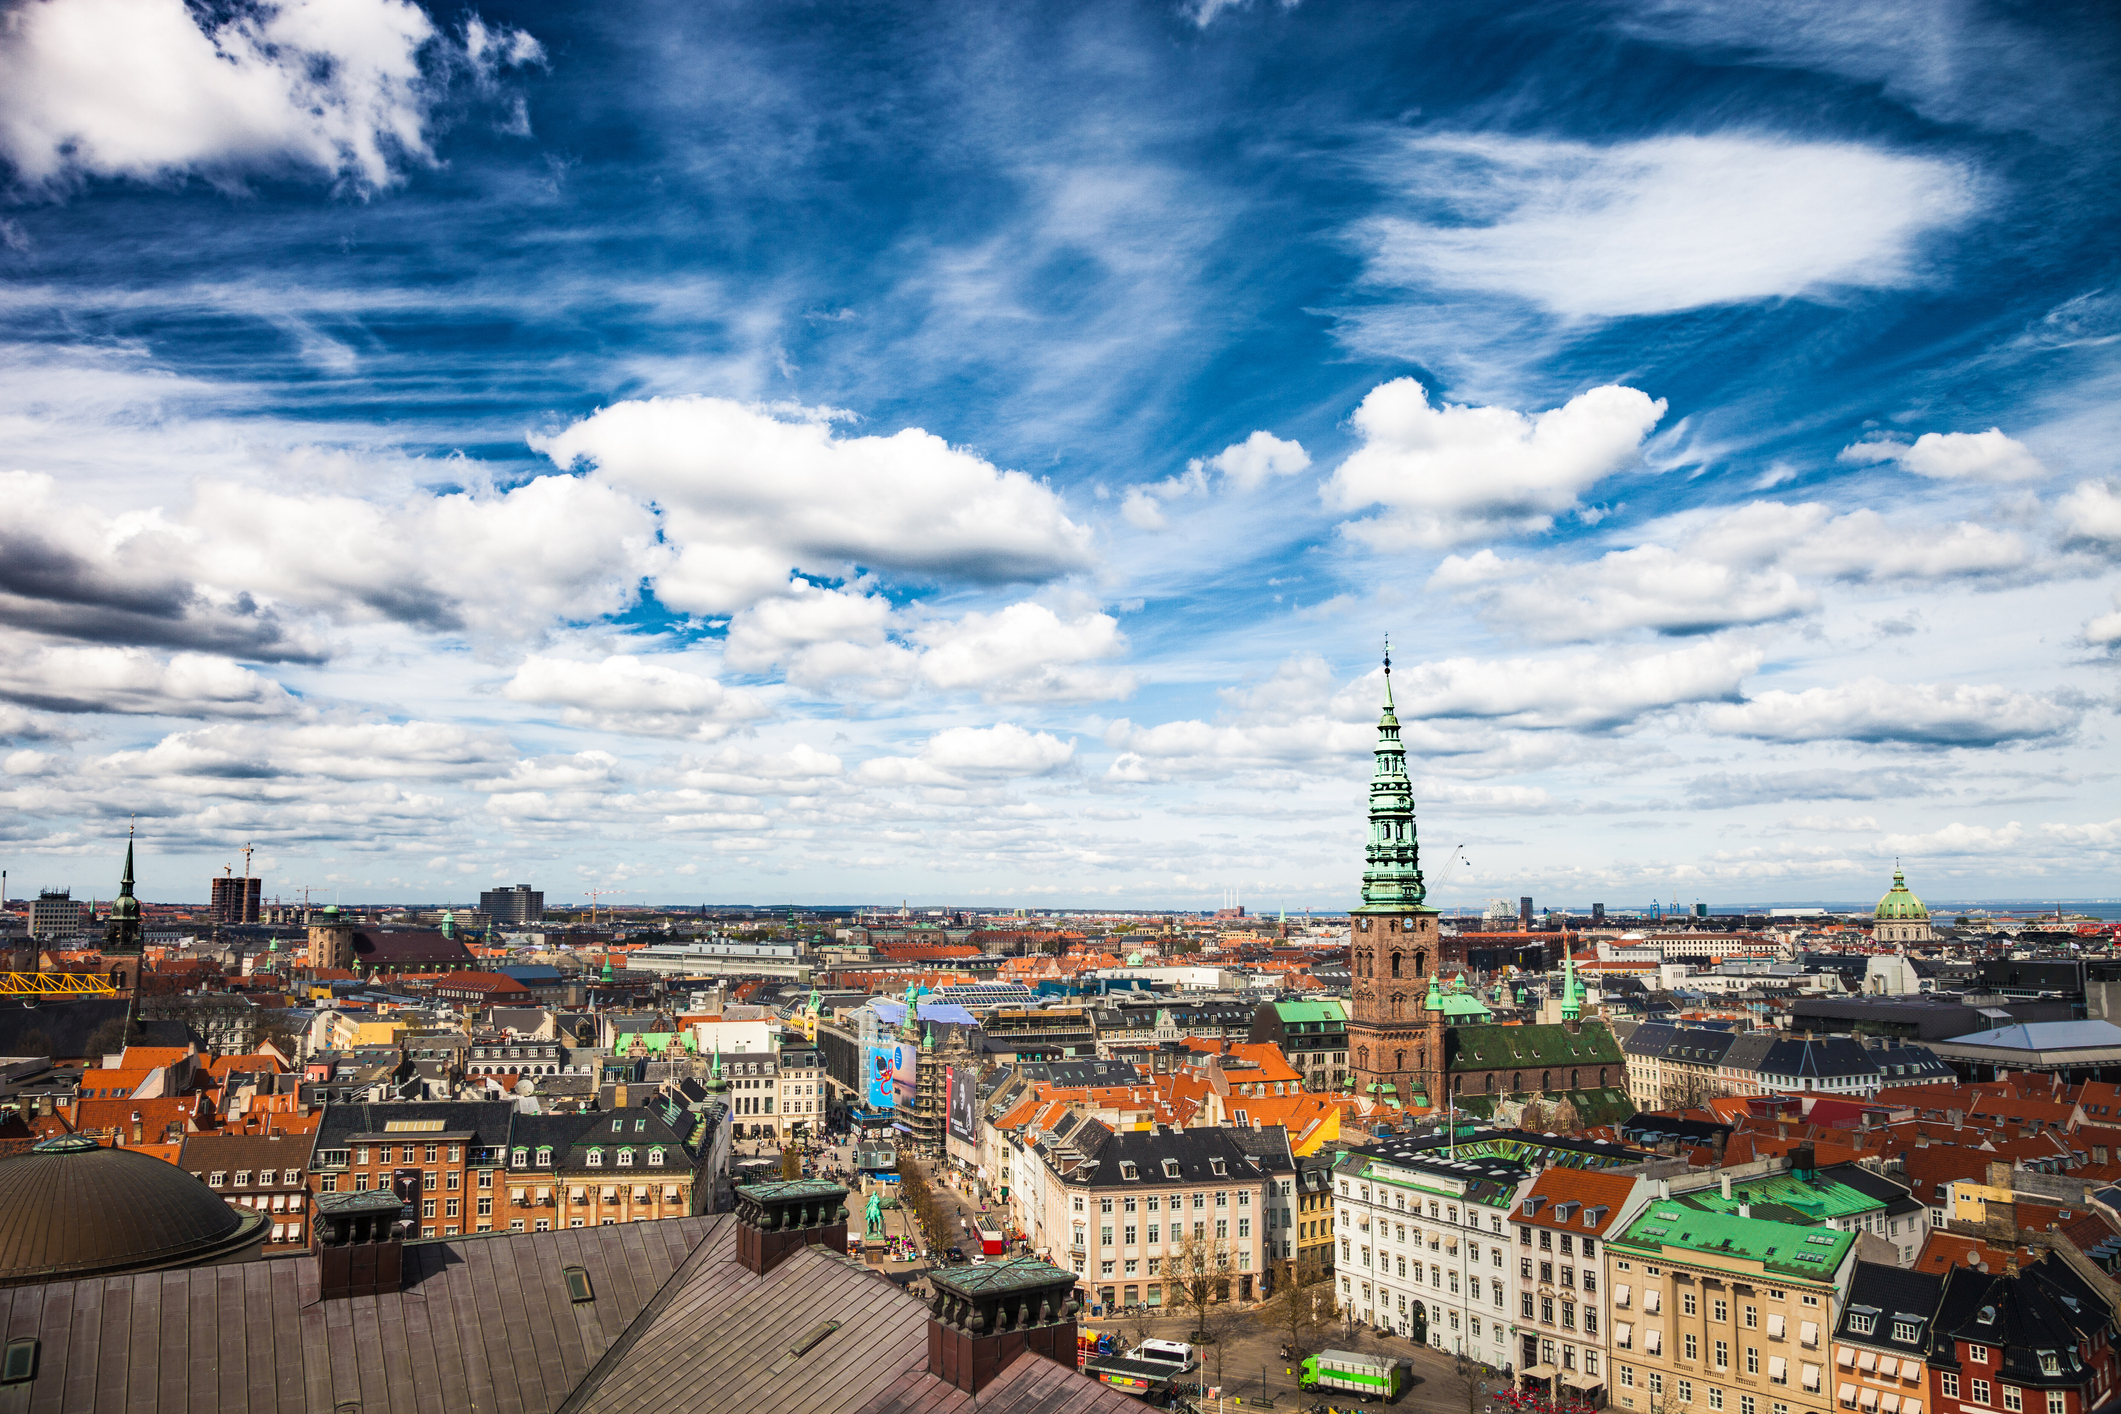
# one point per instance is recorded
(1219, 1324)
(1200, 1272)
(1299, 1311)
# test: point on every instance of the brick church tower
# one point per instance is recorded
(1395, 1013)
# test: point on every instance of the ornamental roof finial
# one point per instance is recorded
(1388, 672)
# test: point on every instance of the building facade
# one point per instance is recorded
(1722, 1314)
(1561, 1224)
(508, 907)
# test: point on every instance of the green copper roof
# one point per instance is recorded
(1330, 1012)
(1391, 876)
(1900, 903)
(1781, 1197)
(1501, 1047)
(1462, 1008)
(125, 908)
(1813, 1253)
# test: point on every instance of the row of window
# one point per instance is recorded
(1153, 1202)
(1683, 1391)
(410, 1153)
(219, 1178)
(1128, 1233)
(1155, 1264)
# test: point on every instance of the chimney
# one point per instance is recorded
(360, 1244)
(982, 1318)
(775, 1219)
(1726, 1188)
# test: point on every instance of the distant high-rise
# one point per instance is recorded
(54, 915)
(1598, 913)
(1524, 913)
(235, 900)
(521, 904)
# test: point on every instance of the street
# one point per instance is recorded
(1251, 1361)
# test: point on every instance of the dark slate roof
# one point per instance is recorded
(1897, 1198)
(1889, 1294)
(1193, 1148)
(1268, 1147)
(559, 1132)
(1823, 1056)
(53, 1028)
(1649, 1039)
(408, 947)
(486, 1119)
(2046, 1308)
(1747, 1051)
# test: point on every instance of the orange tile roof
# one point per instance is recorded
(221, 1066)
(112, 1084)
(146, 1057)
(1589, 1188)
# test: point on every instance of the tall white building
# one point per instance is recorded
(1423, 1245)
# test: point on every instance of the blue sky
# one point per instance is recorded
(975, 453)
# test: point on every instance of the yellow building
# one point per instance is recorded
(1723, 1313)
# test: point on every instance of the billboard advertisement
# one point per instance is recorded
(889, 1074)
(964, 1103)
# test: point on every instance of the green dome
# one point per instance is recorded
(1900, 904)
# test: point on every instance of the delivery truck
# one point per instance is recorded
(1375, 1376)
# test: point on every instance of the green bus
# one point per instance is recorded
(1378, 1376)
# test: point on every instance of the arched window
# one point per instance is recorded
(1601, 1077)
(1458, 1085)
(1573, 1084)
(1489, 1078)
(1399, 1003)
(1399, 1060)
(1421, 964)
(1516, 1082)
(1395, 964)
(1421, 1060)
(1546, 1080)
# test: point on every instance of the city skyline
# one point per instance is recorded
(980, 456)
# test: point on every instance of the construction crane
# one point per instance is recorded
(594, 895)
(55, 984)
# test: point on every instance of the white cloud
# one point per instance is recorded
(1026, 653)
(626, 693)
(582, 770)
(1664, 224)
(1751, 564)
(2105, 630)
(1956, 838)
(966, 754)
(1954, 456)
(1446, 473)
(558, 547)
(748, 493)
(1581, 691)
(1918, 714)
(135, 88)
(1247, 465)
(2091, 515)
(133, 681)
(798, 770)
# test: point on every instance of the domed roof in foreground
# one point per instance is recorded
(72, 1208)
(1900, 903)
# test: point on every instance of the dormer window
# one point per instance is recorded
(655, 1158)
(595, 1158)
(521, 1157)
(1129, 1172)
(625, 1158)
(1170, 1168)
(544, 1157)
(1217, 1167)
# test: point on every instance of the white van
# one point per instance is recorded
(1165, 1352)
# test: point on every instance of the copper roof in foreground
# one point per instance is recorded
(71, 1207)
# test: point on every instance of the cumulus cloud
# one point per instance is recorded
(69, 571)
(799, 770)
(1915, 714)
(1447, 473)
(1583, 691)
(1026, 653)
(2091, 516)
(963, 755)
(1724, 790)
(69, 678)
(2104, 631)
(1954, 456)
(749, 493)
(137, 88)
(1752, 564)
(1956, 839)
(556, 548)
(1250, 464)
(1664, 224)
(627, 693)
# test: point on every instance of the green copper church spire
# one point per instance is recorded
(1391, 876)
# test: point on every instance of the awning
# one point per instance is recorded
(1623, 1333)
(1847, 1357)
(1621, 1294)
(1846, 1393)
(1575, 1380)
(1774, 1326)
(1652, 1302)
(1889, 1404)
(1867, 1399)
(1867, 1361)
(1541, 1371)
(1808, 1335)
(1653, 1341)
(1811, 1378)
(1888, 1368)
(1910, 1406)
(1778, 1369)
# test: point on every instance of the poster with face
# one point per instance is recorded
(964, 1103)
(890, 1075)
